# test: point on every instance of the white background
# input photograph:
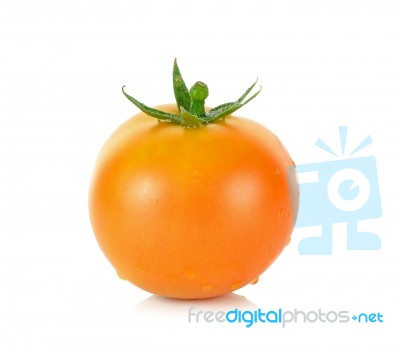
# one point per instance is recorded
(62, 63)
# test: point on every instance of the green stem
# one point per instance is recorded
(191, 103)
(199, 93)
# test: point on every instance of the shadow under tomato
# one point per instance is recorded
(166, 307)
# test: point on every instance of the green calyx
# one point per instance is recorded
(191, 103)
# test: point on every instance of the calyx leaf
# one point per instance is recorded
(182, 95)
(225, 109)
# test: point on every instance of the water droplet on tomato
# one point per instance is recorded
(236, 285)
(280, 212)
(254, 281)
(121, 277)
(207, 287)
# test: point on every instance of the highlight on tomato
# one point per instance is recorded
(190, 202)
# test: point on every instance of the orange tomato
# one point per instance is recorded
(192, 212)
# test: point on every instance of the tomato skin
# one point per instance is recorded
(192, 212)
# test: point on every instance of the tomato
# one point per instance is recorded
(192, 212)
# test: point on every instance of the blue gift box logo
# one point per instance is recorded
(343, 190)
